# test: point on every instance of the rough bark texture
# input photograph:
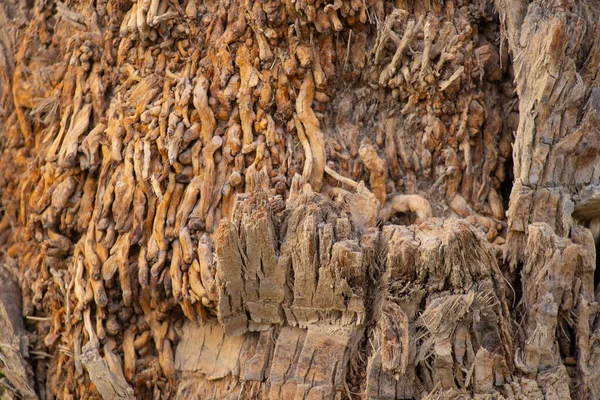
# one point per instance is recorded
(299, 199)
(16, 372)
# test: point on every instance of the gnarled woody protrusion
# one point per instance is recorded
(200, 100)
(311, 128)
(377, 167)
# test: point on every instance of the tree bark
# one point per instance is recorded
(300, 199)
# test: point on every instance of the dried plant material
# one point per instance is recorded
(79, 126)
(311, 128)
(124, 191)
(203, 165)
(15, 368)
(496, 205)
(187, 203)
(391, 68)
(129, 356)
(341, 179)
(161, 213)
(407, 204)
(205, 263)
(394, 340)
(109, 384)
(197, 218)
(175, 270)
(377, 168)
(163, 344)
(249, 79)
(200, 99)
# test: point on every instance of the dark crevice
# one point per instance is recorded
(507, 185)
(597, 271)
(356, 378)
(518, 309)
(518, 286)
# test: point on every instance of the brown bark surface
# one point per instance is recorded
(234, 199)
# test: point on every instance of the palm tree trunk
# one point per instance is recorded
(299, 199)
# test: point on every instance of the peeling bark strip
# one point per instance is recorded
(300, 199)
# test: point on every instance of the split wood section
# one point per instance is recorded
(294, 291)
(438, 323)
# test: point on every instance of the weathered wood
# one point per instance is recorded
(110, 382)
(14, 368)
(556, 158)
(587, 203)
(314, 190)
(440, 293)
